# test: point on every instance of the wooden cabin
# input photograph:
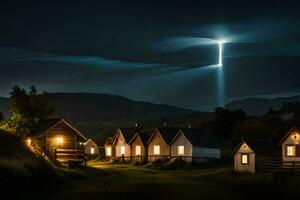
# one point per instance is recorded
(138, 145)
(290, 146)
(250, 152)
(109, 149)
(121, 142)
(159, 143)
(194, 145)
(60, 141)
(91, 148)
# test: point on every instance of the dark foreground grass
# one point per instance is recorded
(213, 182)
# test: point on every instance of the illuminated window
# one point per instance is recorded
(137, 150)
(59, 141)
(291, 150)
(92, 150)
(156, 149)
(108, 151)
(245, 159)
(180, 150)
(122, 150)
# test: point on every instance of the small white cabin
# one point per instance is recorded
(248, 153)
(194, 145)
(290, 145)
(91, 148)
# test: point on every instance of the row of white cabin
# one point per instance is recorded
(249, 152)
(164, 143)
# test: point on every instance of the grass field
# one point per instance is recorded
(114, 181)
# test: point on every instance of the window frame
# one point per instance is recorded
(110, 151)
(179, 154)
(158, 148)
(92, 150)
(121, 149)
(138, 153)
(286, 150)
(248, 158)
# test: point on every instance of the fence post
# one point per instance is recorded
(55, 156)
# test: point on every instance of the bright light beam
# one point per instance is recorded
(220, 43)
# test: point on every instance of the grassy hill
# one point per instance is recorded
(20, 169)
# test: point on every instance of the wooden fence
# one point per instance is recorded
(277, 165)
(162, 157)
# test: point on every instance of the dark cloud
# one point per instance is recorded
(159, 51)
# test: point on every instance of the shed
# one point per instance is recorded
(194, 145)
(290, 145)
(91, 148)
(159, 143)
(59, 140)
(249, 152)
(121, 142)
(138, 145)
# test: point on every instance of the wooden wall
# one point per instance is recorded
(238, 166)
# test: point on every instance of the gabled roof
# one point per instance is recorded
(259, 146)
(91, 140)
(145, 135)
(109, 141)
(288, 134)
(128, 133)
(199, 138)
(168, 133)
(46, 124)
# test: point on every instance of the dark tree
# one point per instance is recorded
(27, 108)
(225, 121)
(1, 116)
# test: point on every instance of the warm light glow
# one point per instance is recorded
(245, 159)
(122, 149)
(295, 136)
(291, 150)
(156, 149)
(138, 150)
(92, 150)
(180, 150)
(59, 141)
(108, 151)
(28, 141)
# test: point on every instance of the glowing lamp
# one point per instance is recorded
(295, 136)
(28, 141)
(59, 140)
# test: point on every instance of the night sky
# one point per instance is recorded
(158, 51)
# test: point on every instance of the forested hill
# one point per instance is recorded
(87, 107)
(259, 106)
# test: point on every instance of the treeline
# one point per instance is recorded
(27, 108)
